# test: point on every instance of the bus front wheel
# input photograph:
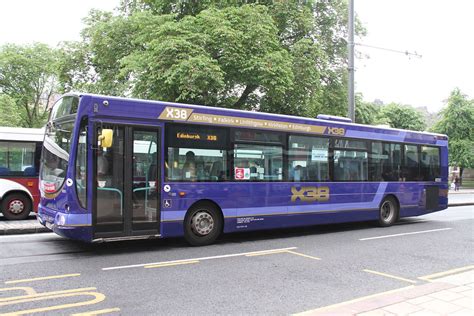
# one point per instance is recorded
(16, 206)
(388, 212)
(202, 225)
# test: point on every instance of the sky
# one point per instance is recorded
(440, 31)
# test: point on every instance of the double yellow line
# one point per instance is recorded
(44, 278)
(90, 291)
(32, 296)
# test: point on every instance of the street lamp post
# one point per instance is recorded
(350, 46)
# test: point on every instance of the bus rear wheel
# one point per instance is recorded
(202, 225)
(388, 212)
(16, 206)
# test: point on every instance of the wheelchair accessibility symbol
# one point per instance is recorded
(167, 203)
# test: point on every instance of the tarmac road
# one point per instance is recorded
(271, 272)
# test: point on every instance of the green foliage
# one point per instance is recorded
(303, 86)
(276, 56)
(402, 116)
(10, 113)
(457, 121)
(93, 65)
(430, 117)
(366, 112)
(182, 8)
(210, 58)
(28, 77)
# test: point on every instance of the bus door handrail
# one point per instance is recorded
(114, 190)
(146, 195)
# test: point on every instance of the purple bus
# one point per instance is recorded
(118, 169)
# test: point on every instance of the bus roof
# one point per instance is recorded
(283, 116)
(21, 134)
(358, 129)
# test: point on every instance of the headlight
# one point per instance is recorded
(60, 220)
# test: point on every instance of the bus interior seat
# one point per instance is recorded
(299, 173)
(353, 171)
(4, 171)
(411, 159)
(216, 170)
(396, 157)
(29, 171)
(339, 169)
(304, 174)
(312, 172)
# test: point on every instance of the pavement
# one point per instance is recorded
(28, 226)
(462, 197)
(452, 295)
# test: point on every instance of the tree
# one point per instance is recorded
(430, 117)
(366, 112)
(457, 121)
(220, 57)
(402, 116)
(10, 115)
(93, 65)
(28, 77)
(276, 56)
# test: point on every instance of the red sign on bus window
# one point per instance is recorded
(242, 173)
(239, 173)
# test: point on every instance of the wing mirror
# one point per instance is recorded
(106, 138)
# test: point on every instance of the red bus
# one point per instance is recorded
(20, 152)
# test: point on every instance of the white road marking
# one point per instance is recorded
(405, 234)
(198, 259)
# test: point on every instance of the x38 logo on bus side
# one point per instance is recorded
(336, 131)
(176, 114)
(310, 194)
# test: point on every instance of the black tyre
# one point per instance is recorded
(388, 212)
(202, 224)
(16, 206)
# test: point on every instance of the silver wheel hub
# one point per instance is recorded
(16, 207)
(202, 223)
(387, 211)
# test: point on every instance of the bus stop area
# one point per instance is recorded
(463, 197)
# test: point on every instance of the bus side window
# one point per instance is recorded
(411, 165)
(308, 158)
(429, 163)
(196, 153)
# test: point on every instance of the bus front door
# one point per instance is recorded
(127, 182)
